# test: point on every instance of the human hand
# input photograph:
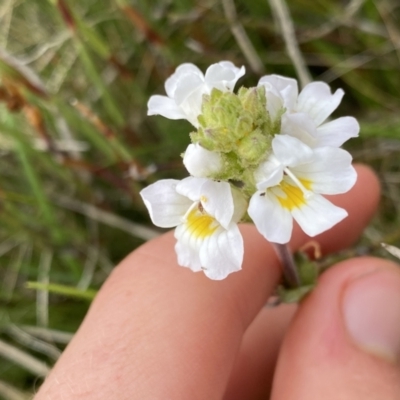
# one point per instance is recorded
(159, 331)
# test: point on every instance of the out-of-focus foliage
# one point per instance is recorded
(76, 145)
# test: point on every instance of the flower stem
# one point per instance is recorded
(288, 264)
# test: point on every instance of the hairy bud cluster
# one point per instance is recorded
(240, 129)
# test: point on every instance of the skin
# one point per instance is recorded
(159, 331)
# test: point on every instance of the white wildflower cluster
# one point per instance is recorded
(267, 153)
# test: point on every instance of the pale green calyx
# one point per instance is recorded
(239, 128)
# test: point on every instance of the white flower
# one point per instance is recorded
(307, 112)
(200, 162)
(290, 184)
(205, 213)
(186, 87)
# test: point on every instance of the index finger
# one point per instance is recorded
(157, 330)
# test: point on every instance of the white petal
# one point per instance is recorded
(272, 220)
(223, 76)
(330, 171)
(222, 253)
(189, 96)
(201, 162)
(240, 204)
(181, 71)
(287, 88)
(162, 105)
(274, 101)
(300, 126)
(166, 206)
(192, 107)
(317, 100)
(318, 215)
(216, 199)
(186, 86)
(336, 132)
(191, 187)
(269, 173)
(187, 256)
(290, 151)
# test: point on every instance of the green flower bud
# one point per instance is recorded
(255, 102)
(219, 128)
(253, 148)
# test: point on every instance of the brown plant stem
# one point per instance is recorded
(288, 265)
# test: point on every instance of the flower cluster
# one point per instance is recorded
(267, 153)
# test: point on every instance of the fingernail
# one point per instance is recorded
(371, 308)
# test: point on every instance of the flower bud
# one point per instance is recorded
(253, 149)
(201, 162)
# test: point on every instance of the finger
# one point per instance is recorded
(251, 377)
(159, 331)
(252, 374)
(344, 342)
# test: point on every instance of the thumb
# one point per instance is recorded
(344, 342)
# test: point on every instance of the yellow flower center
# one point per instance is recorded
(290, 196)
(200, 224)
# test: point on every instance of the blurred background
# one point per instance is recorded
(76, 145)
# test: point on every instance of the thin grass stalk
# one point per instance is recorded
(63, 290)
(33, 343)
(86, 129)
(42, 296)
(39, 193)
(113, 220)
(49, 335)
(9, 392)
(242, 39)
(281, 11)
(11, 276)
(91, 73)
(24, 360)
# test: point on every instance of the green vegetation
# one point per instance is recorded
(76, 145)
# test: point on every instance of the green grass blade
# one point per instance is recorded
(64, 290)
